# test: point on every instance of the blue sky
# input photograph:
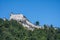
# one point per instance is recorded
(44, 11)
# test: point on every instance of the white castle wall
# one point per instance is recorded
(20, 17)
(17, 17)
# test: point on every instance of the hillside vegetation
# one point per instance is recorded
(12, 30)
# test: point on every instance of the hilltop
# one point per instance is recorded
(14, 30)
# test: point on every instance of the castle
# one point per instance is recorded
(23, 20)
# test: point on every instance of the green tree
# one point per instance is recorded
(37, 23)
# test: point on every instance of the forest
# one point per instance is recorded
(12, 30)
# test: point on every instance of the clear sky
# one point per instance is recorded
(44, 11)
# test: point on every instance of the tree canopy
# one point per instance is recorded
(12, 30)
